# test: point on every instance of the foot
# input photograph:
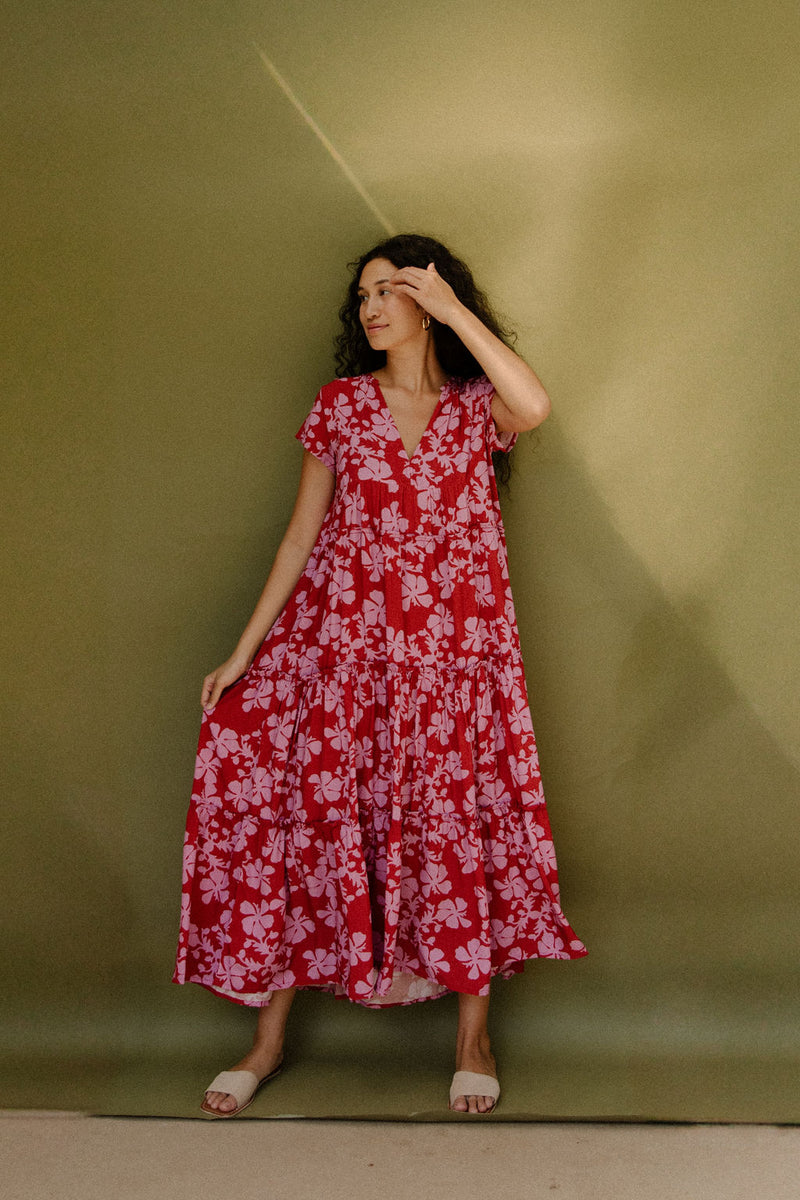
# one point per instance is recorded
(260, 1062)
(479, 1058)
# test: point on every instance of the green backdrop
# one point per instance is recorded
(622, 177)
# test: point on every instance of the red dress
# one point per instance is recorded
(368, 814)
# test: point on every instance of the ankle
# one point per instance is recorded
(267, 1047)
(473, 1041)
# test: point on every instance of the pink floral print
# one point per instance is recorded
(368, 814)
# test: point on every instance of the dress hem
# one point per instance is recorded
(261, 999)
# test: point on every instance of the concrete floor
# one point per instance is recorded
(74, 1157)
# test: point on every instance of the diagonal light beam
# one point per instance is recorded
(327, 143)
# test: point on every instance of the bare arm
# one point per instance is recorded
(314, 497)
(520, 400)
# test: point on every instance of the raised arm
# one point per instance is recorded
(314, 496)
(520, 401)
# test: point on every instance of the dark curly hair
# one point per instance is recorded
(355, 356)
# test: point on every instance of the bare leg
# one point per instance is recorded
(472, 1049)
(267, 1050)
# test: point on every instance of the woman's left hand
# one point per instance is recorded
(430, 291)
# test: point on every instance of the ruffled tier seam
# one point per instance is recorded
(365, 531)
(381, 666)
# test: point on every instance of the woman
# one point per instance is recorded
(368, 815)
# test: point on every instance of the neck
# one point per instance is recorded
(414, 369)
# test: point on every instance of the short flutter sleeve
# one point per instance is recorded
(484, 394)
(318, 432)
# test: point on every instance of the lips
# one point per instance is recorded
(374, 328)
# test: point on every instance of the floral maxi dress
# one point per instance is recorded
(368, 814)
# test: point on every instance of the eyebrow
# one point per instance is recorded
(377, 281)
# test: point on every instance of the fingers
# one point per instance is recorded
(428, 289)
(208, 687)
(406, 282)
(213, 687)
(414, 276)
(216, 683)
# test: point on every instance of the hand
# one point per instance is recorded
(430, 291)
(215, 683)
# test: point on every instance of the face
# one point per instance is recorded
(389, 317)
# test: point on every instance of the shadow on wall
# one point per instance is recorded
(670, 799)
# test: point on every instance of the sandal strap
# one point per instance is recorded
(239, 1084)
(470, 1083)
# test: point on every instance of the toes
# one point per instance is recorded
(474, 1104)
(221, 1101)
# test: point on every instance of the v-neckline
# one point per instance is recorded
(409, 458)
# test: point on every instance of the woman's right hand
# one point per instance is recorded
(215, 683)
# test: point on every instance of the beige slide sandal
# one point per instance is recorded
(242, 1085)
(469, 1083)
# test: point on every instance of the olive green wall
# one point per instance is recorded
(621, 175)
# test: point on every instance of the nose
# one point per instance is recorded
(371, 308)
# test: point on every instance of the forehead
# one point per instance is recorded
(376, 268)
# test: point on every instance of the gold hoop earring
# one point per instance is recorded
(426, 321)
